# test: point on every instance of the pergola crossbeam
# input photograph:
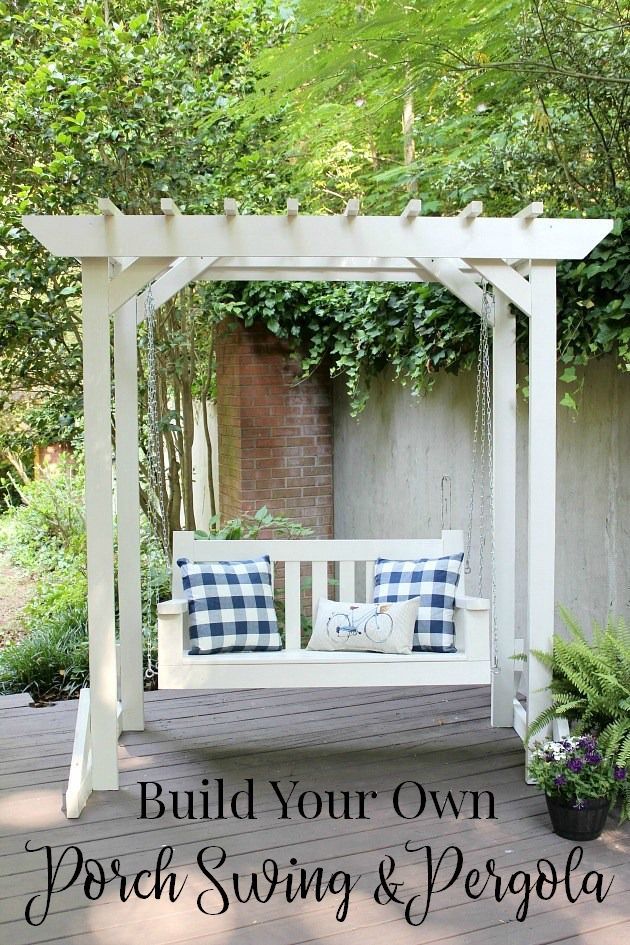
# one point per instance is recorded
(507, 279)
(471, 211)
(108, 208)
(489, 238)
(131, 280)
(531, 211)
(169, 207)
(461, 284)
(175, 279)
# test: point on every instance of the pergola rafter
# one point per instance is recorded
(121, 255)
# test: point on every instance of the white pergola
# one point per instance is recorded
(121, 255)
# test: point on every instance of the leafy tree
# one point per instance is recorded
(133, 101)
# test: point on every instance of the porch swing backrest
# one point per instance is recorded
(311, 569)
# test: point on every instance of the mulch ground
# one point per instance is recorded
(16, 588)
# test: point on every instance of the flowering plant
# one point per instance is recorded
(575, 769)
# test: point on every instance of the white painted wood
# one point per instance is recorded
(128, 517)
(79, 785)
(292, 605)
(504, 466)
(510, 282)
(346, 581)
(531, 211)
(172, 630)
(99, 522)
(307, 668)
(319, 574)
(250, 235)
(293, 207)
(370, 567)
(560, 729)
(230, 207)
(312, 549)
(176, 278)
(352, 207)
(541, 540)
(461, 284)
(255, 273)
(108, 208)
(471, 211)
(412, 210)
(168, 207)
(519, 719)
(132, 279)
(173, 606)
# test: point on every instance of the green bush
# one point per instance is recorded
(46, 536)
(52, 659)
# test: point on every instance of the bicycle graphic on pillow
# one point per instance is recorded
(377, 625)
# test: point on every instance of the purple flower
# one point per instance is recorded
(593, 757)
(619, 774)
(548, 756)
(560, 780)
(587, 743)
(575, 765)
(566, 744)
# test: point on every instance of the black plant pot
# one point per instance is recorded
(585, 822)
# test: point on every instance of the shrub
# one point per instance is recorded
(52, 659)
(46, 536)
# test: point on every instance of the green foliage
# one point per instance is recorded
(250, 526)
(128, 100)
(48, 528)
(591, 685)
(52, 659)
(45, 534)
(355, 329)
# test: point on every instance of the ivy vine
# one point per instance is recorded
(357, 329)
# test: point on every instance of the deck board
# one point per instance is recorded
(326, 739)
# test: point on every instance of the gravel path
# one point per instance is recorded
(15, 592)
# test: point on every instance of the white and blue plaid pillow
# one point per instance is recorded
(434, 581)
(230, 606)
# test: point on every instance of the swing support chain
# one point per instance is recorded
(482, 477)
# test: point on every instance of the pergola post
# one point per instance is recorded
(541, 539)
(127, 507)
(99, 523)
(504, 474)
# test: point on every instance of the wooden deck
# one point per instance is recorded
(328, 740)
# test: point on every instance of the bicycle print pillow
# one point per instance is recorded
(361, 628)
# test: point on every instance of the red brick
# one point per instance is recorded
(275, 436)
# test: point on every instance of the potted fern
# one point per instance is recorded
(590, 687)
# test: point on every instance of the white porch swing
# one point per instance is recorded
(120, 256)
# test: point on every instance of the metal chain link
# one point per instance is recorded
(157, 516)
(482, 467)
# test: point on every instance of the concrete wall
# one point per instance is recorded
(390, 462)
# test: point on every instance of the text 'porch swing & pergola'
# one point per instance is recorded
(123, 255)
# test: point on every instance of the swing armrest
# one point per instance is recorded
(169, 607)
(472, 603)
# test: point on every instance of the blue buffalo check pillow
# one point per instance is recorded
(434, 581)
(230, 606)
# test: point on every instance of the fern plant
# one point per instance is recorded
(590, 686)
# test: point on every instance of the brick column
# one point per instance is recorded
(275, 436)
